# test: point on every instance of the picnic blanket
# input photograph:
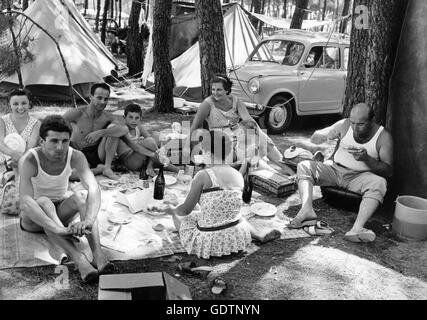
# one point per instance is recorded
(135, 240)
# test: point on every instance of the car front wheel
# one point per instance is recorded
(279, 114)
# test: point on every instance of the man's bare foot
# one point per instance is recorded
(98, 170)
(103, 265)
(110, 174)
(303, 215)
(87, 272)
(270, 236)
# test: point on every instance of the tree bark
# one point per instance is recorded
(337, 9)
(134, 47)
(372, 55)
(324, 9)
(112, 9)
(98, 12)
(163, 77)
(255, 7)
(120, 13)
(104, 20)
(345, 9)
(285, 4)
(260, 23)
(298, 16)
(356, 74)
(408, 93)
(85, 6)
(211, 41)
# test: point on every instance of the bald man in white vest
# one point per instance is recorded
(362, 162)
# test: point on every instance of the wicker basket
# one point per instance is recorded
(272, 183)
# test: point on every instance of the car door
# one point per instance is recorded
(321, 86)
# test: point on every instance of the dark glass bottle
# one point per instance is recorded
(144, 176)
(159, 185)
(247, 188)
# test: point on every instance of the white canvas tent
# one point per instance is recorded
(86, 58)
(240, 39)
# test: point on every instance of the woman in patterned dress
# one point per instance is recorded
(218, 229)
(18, 121)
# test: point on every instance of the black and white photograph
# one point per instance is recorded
(214, 156)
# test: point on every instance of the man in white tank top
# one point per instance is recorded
(362, 162)
(45, 204)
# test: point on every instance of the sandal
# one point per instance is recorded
(190, 267)
(320, 228)
(298, 224)
(219, 285)
(364, 235)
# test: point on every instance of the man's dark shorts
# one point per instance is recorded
(91, 154)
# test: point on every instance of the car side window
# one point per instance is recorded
(330, 58)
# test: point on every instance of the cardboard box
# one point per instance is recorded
(142, 286)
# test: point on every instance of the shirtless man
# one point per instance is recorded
(47, 206)
(147, 152)
(362, 162)
(96, 132)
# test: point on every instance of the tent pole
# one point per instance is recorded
(73, 98)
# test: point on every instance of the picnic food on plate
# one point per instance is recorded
(353, 148)
(159, 227)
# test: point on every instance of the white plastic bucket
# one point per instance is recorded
(410, 217)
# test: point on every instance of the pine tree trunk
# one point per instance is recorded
(337, 8)
(299, 13)
(356, 74)
(211, 41)
(104, 20)
(324, 9)
(120, 13)
(255, 7)
(163, 77)
(346, 7)
(134, 43)
(384, 37)
(98, 12)
(371, 57)
(285, 4)
(260, 23)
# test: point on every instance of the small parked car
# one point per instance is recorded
(294, 73)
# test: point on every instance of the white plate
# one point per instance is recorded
(169, 180)
(263, 209)
(120, 219)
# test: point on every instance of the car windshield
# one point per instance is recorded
(279, 51)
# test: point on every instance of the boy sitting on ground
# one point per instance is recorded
(147, 151)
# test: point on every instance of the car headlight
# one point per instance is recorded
(254, 86)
